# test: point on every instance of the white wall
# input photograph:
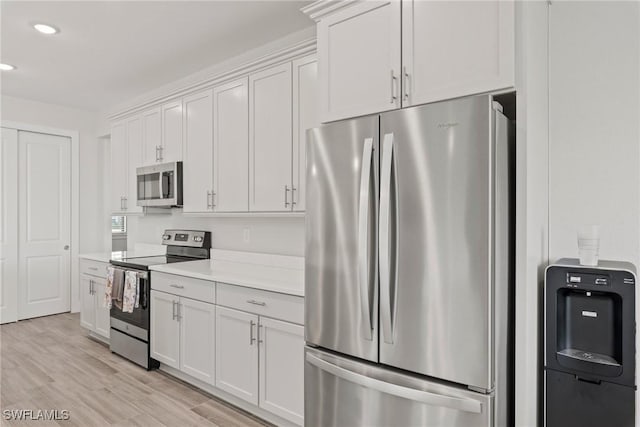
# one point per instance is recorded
(92, 217)
(594, 134)
(283, 236)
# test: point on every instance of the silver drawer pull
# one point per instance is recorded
(93, 268)
(254, 302)
(177, 286)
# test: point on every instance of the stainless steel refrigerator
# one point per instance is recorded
(408, 267)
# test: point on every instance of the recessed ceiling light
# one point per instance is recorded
(46, 29)
(7, 67)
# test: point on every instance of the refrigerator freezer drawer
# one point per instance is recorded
(344, 392)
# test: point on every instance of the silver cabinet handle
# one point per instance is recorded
(178, 311)
(125, 203)
(121, 203)
(209, 204)
(385, 240)
(90, 287)
(177, 286)
(393, 88)
(286, 196)
(260, 341)
(254, 302)
(433, 399)
(161, 150)
(251, 338)
(405, 83)
(156, 153)
(173, 310)
(213, 199)
(364, 281)
(293, 196)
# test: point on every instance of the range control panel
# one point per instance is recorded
(190, 238)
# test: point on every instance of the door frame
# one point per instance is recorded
(75, 198)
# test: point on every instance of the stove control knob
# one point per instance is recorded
(166, 237)
(197, 239)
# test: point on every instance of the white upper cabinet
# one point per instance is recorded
(119, 166)
(126, 156)
(171, 146)
(197, 172)
(134, 159)
(270, 139)
(151, 136)
(231, 146)
(359, 54)
(376, 56)
(305, 116)
(456, 48)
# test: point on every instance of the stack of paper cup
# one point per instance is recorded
(589, 244)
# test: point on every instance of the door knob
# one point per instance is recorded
(66, 247)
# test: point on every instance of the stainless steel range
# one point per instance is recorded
(130, 331)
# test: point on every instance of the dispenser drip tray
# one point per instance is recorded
(587, 356)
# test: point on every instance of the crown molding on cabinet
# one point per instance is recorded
(297, 50)
(322, 8)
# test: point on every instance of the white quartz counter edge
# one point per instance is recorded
(202, 270)
(117, 256)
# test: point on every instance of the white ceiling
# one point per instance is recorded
(110, 51)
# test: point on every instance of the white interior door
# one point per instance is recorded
(45, 224)
(9, 226)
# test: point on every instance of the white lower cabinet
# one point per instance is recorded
(182, 334)
(282, 368)
(165, 329)
(94, 316)
(237, 353)
(261, 360)
(197, 339)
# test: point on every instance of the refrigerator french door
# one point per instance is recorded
(407, 265)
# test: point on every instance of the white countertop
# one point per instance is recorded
(139, 252)
(275, 273)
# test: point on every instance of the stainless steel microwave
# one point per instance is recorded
(160, 185)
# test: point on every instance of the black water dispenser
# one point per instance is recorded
(589, 339)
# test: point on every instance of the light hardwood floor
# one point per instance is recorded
(49, 363)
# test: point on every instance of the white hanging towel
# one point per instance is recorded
(130, 294)
(106, 302)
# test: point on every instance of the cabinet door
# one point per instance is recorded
(270, 139)
(237, 353)
(134, 159)
(231, 146)
(305, 116)
(119, 165)
(197, 339)
(282, 369)
(87, 303)
(171, 148)
(165, 329)
(456, 48)
(359, 59)
(197, 172)
(103, 316)
(151, 136)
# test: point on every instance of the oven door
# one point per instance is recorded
(160, 185)
(137, 322)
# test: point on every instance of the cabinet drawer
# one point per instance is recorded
(93, 268)
(197, 289)
(265, 303)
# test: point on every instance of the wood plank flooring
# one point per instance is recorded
(49, 363)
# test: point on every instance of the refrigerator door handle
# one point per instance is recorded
(384, 239)
(363, 239)
(433, 399)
